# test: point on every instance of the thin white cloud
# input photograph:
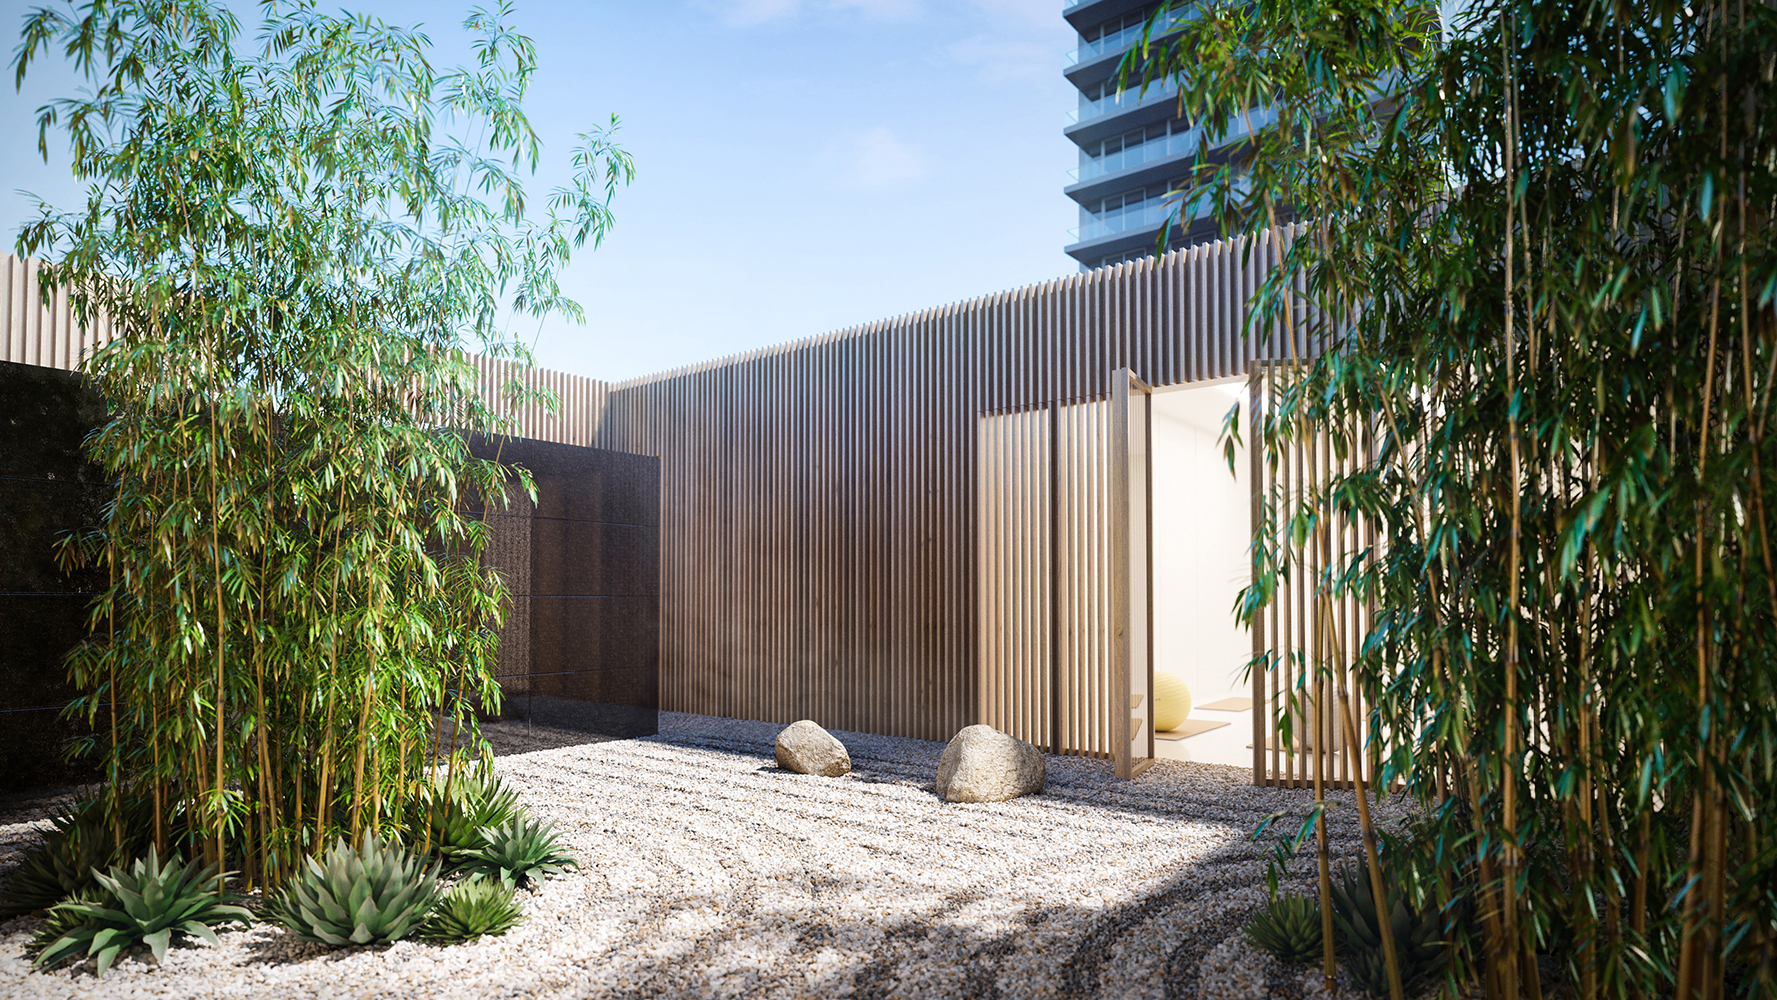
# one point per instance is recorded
(878, 159)
(997, 59)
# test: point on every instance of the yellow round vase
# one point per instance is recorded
(1172, 701)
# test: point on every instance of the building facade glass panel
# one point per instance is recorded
(1134, 148)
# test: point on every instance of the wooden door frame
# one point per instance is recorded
(1130, 507)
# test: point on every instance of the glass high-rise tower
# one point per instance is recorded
(1133, 147)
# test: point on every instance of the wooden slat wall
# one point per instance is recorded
(574, 421)
(896, 528)
(1079, 656)
(1311, 644)
(39, 331)
(859, 528)
(35, 330)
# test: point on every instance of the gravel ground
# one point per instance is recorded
(709, 872)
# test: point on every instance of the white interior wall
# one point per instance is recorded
(1202, 518)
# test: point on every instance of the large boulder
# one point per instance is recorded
(806, 748)
(982, 764)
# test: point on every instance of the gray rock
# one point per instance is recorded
(982, 764)
(806, 748)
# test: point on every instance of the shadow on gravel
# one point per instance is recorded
(1153, 945)
(954, 945)
(511, 736)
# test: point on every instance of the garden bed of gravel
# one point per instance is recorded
(706, 871)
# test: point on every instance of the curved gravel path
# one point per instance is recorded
(708, 872)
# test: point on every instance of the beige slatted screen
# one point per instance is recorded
(36, 329)
(1083, 574)
(1044, 577)
(40, 330)
(1021, 685)
(1131, 553)
(574, 421)
(1309, 637)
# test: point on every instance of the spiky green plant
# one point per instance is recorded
(374, 893)
(471, 908)
(59, 920)
(452, 811)
(83, 839)
(58, 866)
(519, 851)
(1419, 938)
(152, 904)
(1288, 927)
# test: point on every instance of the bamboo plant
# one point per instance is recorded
(1536, 267)
(297, 242)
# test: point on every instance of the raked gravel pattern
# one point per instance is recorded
(708, 872)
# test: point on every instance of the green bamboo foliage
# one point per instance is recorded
(1537, 272)
(297, 241)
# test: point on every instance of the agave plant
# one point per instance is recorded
(1419, 941)
(372, 894)
(452, 821)
(151, 904)
(61, 865)
(82, 842)
(472, 907)
(518, 851)
(59, 920)
(1288, 927)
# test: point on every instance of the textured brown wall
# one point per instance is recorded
(581, 646)
(46, 489)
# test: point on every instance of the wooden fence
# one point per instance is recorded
(904, 527)
(580, 401)
(1310, 636)
(40, 330)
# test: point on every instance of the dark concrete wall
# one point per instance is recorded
(581, 647)
(46, 489)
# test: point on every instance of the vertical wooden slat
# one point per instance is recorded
(42, 330)
(901, 527)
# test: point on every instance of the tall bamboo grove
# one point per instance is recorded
(1540, 261)
(295, 241)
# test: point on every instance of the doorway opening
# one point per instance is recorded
(1112, 542)
(1202, 538)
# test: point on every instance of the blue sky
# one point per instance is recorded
(802, 165)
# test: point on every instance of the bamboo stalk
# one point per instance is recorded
(1587, 922)
(1492, 972)
(1372, 859)
(1698, 947)
(371, 651)
(160, 811)
(221, 641)
(1508, 955)
(113, 759)
(324, 793)
(1329, 964)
